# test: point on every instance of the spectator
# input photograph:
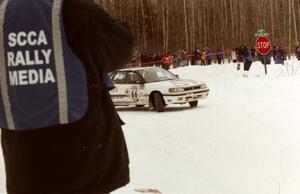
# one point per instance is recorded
(253, 52)
(166, 61)
(239, 56)
(279, 55)
(209, 57)
(197, 57)
(247, 58)
(220, 56)
(233, 56)
(203, 57)
(184, 59)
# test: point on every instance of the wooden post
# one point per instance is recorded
(265, 64)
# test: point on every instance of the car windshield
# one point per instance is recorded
(156, 75)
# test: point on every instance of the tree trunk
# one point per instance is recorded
(186, 27)
(145, 47)
(295, 22)
(167, 25)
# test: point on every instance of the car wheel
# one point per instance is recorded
(194, 103)
(158, 102)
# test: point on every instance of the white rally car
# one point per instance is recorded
(154, 87)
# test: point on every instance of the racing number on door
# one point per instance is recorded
(134, 94)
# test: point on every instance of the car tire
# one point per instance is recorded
(194, 103)
(158, 102)
(139, 106)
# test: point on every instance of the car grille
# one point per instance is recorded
(192, 88)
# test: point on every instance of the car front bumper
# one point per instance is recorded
(185, 97)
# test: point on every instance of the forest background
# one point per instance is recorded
(171, 25)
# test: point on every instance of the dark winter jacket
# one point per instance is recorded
(90, 155)
(220, 54)
(209, 55)
(197, 55)
(279, 56)
(247, 56)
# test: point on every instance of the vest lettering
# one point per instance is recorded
(12, 39)
(38, 57)
(21, 39)
(32, 38)
(49, 78)
(23, 77)
(13, 78)
(19, 59)
(47, 54)
(42, 38)
(28, 60)
(31, 77)
(38, 61)
(10, 59)
(41, 77)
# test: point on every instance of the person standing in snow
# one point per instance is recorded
(184, 58)
(209, 56)
(247, 59)
(166, 61)
(279, 55)
(220, 56)
(253, 52)
(233, 56)
(203, 57)
(239, 55)
(197, 57)
(62, 136)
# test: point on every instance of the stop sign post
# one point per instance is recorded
(263, 47)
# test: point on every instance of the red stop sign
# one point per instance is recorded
(263, 45)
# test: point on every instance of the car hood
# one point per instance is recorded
(185, 82)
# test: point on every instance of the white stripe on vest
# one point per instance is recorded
(4, 88)
(59, 61)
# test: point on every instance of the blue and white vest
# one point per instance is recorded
(42, 82)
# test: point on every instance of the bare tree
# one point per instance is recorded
(186, 26)
(176, 24)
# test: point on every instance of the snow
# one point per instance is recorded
(243, 139)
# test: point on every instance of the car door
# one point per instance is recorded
(135, 87)
(119, 94)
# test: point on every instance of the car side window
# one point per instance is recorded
(119, 77)
(111, 75)
(134, 78)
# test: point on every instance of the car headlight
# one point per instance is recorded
(174, 90)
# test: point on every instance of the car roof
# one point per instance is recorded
(136, 68)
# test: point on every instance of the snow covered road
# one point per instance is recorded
(244, 139)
